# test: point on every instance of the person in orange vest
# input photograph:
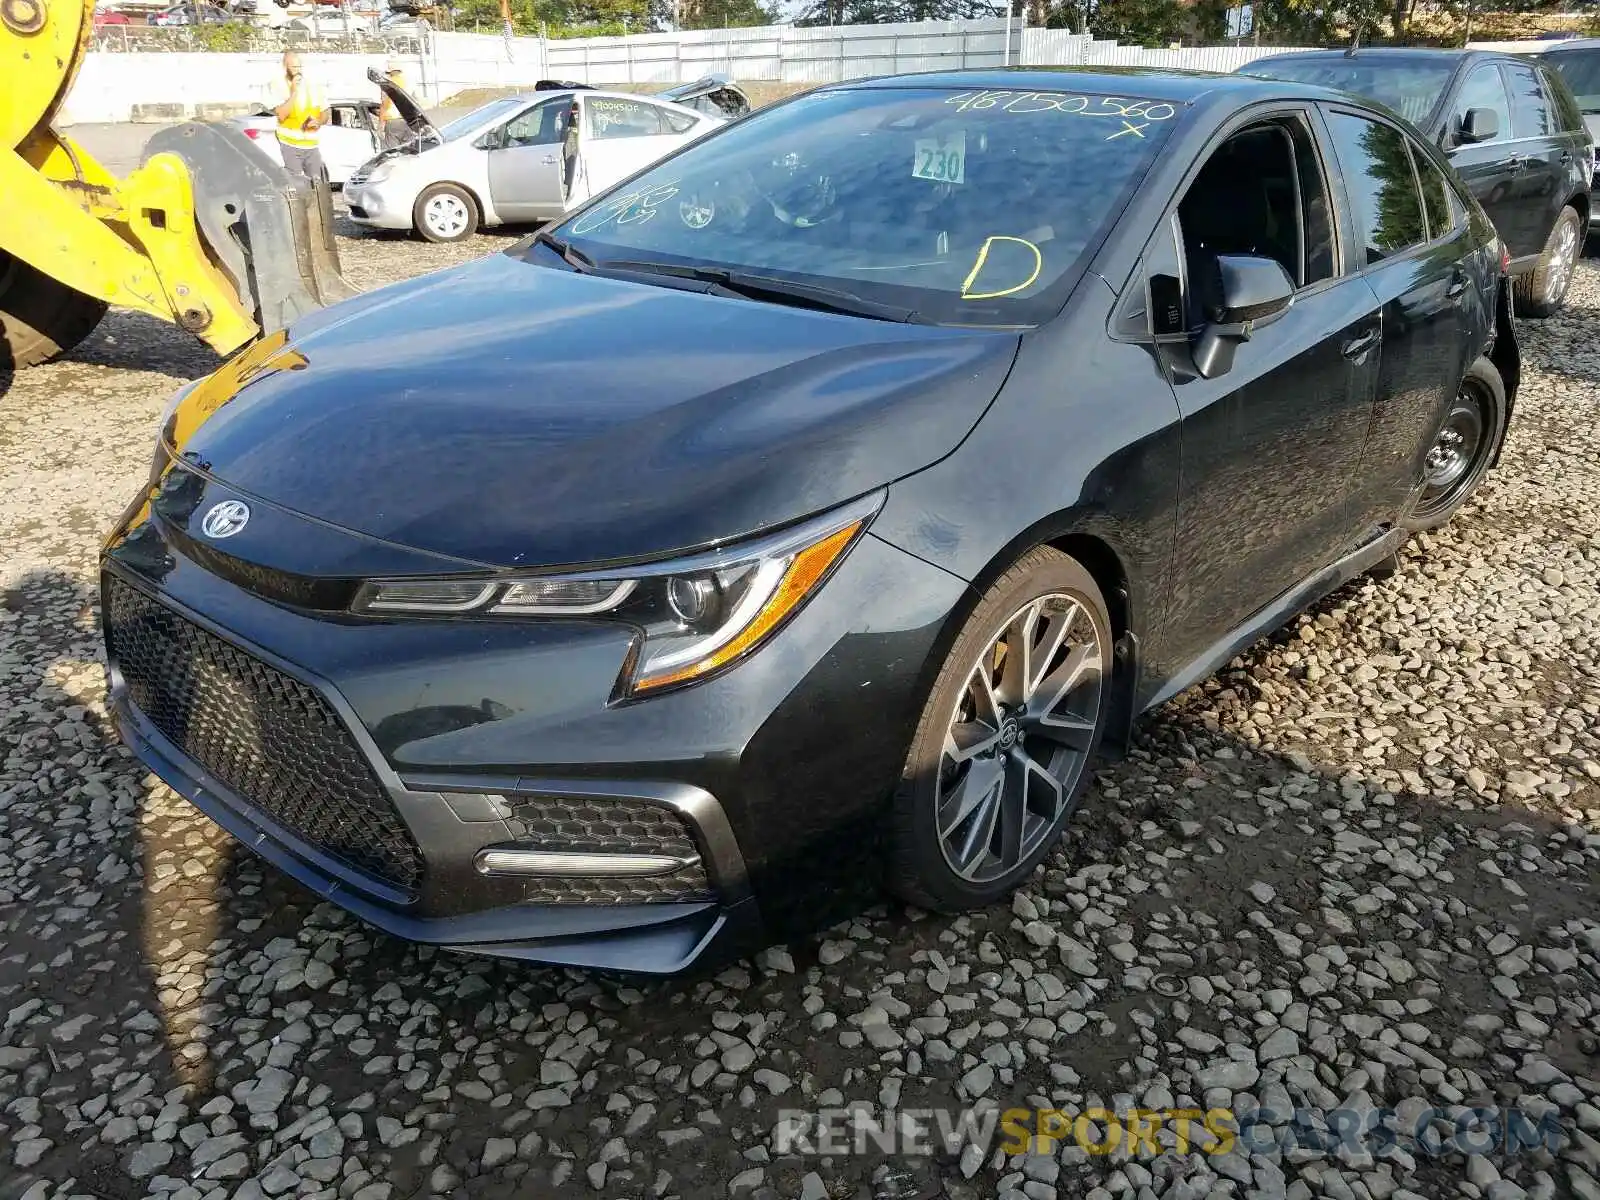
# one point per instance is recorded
(299, 118)
(395, 131)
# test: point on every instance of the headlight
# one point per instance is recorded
(379, 173)
(696, 615)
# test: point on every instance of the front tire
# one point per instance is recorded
(1003, 749)
(1466, 443)
(445, 212)
(1541, 292)
(40, 317)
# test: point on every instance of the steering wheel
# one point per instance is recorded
(807, 201)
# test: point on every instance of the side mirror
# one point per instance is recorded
(1247, 291)
(1479, 125)
(495, 139)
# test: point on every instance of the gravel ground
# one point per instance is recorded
(1355, 870)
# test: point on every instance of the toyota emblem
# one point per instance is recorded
(225, 519)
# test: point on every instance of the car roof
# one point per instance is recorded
(592, 93)
(1384, 54)
(1566, 44)
(1152, 82)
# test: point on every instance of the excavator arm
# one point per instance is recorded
(207, 233)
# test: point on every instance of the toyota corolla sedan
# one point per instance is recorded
(814, 506)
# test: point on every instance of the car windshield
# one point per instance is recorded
(1581, 70)
(479, 117)
(961, 207)
(1411, 88)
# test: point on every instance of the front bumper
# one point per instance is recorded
(377, 205)
(777, 770)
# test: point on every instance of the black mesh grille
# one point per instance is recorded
(608, 825)
(265, 735)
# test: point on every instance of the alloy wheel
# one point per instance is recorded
(1018, 741)
(446, 215)
(1455, 451)
(1563, 259)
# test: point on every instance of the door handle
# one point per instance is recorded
(1458, 284)
(549, 159)
(1356, 348)
(1515, 163)
(1566, 158)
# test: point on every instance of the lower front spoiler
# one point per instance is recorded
(648, 939)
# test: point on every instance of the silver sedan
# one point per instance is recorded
(521, 158)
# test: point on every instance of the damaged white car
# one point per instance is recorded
(517, 159)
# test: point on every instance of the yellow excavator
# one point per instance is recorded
(208, 232)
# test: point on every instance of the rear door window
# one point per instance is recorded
(614, 118)
(1382, 186)
(1564, 105)
(1437, 195)
(677, 122)
(1484, 88)
(1530, 108)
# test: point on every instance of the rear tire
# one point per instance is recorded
(1467, 441)
(1540, 293)
(445, 212)
(1004, 747)
(40, 317)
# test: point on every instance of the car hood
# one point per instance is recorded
(410, 111)
(511, 414)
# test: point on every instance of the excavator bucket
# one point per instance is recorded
(270, 232)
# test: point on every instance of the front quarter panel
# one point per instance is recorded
(1083, 439)
(456, 162)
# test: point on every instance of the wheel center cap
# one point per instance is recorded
(1009, 731)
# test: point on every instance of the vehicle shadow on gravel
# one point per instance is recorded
(1205, 883)
(137, 341)
(78, 971)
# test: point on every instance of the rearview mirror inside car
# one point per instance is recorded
(1246, 291)
(1479, 125)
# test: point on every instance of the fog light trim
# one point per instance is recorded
(560, 862)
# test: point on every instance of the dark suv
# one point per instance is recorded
(1578, 64)
(1511, 128)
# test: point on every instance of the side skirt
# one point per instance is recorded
(1369, 554)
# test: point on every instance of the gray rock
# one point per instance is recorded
(1280, 1043)
(497, 1151)
(1234, 1075)
(149, 1158)
(30, 1150)
(978, 1081)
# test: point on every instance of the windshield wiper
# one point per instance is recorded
(770, 288)
(570, 254)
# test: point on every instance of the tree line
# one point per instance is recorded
(1133, 22)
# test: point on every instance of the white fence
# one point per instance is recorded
(829, 53)
(177, 85)
(787, 53)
